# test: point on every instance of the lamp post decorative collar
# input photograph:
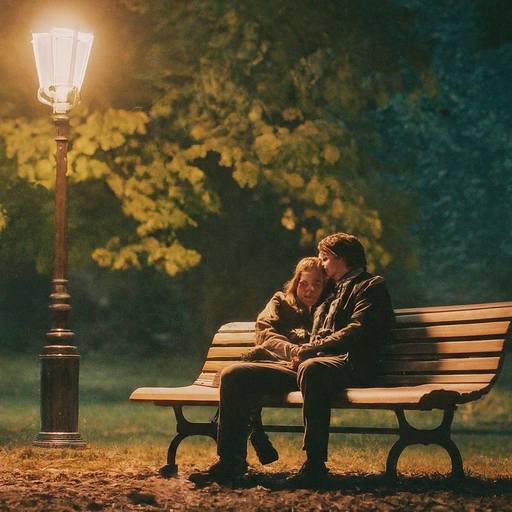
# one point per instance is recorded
(61, 58)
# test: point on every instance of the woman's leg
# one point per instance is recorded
(241, 386)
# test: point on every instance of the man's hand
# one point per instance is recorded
(303, 352)
(307, 351)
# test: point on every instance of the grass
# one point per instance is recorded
(121, 434)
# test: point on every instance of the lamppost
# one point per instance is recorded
(61, 58)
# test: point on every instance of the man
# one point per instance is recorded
(349, 329)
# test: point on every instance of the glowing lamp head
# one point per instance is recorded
(61, 58)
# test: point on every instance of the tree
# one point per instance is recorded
(246, 112)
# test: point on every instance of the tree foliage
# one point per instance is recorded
(280, 93)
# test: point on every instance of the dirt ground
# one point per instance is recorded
(142, 489)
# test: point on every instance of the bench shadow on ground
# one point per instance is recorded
(378, 485)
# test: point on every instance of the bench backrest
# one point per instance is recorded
(448, 344)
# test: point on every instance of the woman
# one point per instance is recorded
(281, 328)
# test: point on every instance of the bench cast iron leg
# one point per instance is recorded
(409, 435)
(184, 429)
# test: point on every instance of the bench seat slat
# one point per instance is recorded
(378, 397)
(205, 379)
(402, 395)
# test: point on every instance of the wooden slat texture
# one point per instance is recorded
(459, 307)
(237, 327)
(446, 347)
(384, 397)
(418, 379)
(453, 330)
(215, 366)
(227, 352)
(454, 316)
(469, 364)
(447, 378)
(205, 378)
(234, 338)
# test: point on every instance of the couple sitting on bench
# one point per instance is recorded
(324, 333)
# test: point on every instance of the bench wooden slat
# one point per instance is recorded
(227, 352)
(470, 364)
(446, 347)
(462, 308)
(239, 327)
(451, 378)
(466, 315)
(208, 378)
(453, 330)
(403, 395)
(484, 364)
(234, 338)
(455, 347)
(216, 365)
(205, 379)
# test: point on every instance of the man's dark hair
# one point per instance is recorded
(347, 247)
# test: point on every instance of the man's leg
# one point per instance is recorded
(318, 379)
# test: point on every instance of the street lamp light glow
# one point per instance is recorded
(61, 57)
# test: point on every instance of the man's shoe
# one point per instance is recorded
(221, 471)
(312, 475)
(263, 447)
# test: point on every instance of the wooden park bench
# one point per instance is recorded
(442, 357)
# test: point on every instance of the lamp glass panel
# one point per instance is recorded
(43, 54)
(83, 51)
(62, 46)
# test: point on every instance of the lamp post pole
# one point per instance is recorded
(60, 360)
(61, 58)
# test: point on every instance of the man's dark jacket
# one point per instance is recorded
(356, 319)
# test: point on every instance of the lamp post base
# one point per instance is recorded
(59, 440)
(59, 398)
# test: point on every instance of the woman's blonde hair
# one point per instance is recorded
(309, 264)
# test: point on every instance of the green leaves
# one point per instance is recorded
(29, 143)
(277, 94)
(108, 130)
(173, 258)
